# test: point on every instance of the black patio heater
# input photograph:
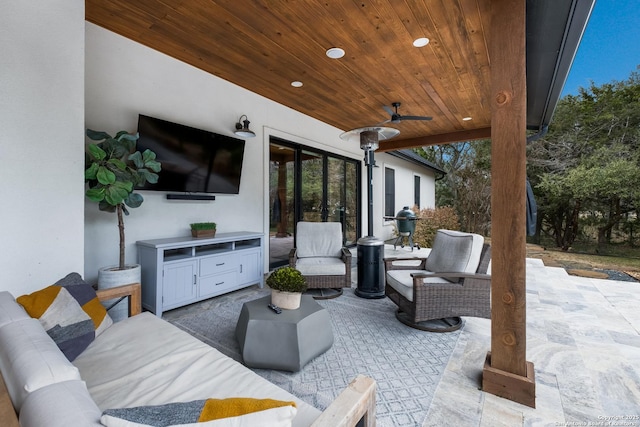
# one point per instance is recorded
(370, 248)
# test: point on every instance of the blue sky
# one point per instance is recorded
(610, 47)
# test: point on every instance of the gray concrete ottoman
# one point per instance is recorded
(285, 341)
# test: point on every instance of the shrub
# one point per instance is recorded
(203, 226)
(431, 220)
(287, 279)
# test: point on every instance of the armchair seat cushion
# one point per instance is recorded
(321, 266)
(402, 282)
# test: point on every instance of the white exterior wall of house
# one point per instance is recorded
(157, 85)
(41, 142)
(60, 74)
(404, 190)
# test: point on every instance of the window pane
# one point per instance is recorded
(389, 192)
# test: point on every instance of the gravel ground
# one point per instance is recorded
(617, 275)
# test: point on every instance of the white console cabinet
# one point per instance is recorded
(182, 270)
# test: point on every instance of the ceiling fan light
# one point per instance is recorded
(421, 42)
(335, 53)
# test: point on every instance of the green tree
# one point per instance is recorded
(585, 171)
(467, 185)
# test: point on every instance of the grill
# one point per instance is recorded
(406, 224)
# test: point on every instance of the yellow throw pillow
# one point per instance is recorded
(231, 412)
(71, 314)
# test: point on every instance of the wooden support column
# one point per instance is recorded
(506, 372)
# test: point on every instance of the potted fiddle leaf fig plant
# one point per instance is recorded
(113, 171)
(287, 285)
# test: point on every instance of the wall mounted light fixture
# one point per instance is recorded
(242, 129)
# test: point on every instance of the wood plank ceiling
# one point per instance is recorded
(265, 45)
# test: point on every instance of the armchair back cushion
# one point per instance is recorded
(455, 252)
(319, 239)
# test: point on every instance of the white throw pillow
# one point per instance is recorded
(64, 404)
(29, 360)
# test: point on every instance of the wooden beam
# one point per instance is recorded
(506, 372)
(445, 138)
(132, 291)
(355, 403)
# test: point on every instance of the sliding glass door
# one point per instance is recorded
(309, 185)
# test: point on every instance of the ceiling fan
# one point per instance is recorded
(397, 118)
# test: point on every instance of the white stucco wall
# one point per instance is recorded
(154, 84)
(41, 142)
(404, 190)
(58, 75)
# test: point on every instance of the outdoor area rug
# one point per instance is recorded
(407, 364)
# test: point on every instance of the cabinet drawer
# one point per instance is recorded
(217, 284)
(217, 264)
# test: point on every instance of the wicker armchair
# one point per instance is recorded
(451, 282)
(321, 258)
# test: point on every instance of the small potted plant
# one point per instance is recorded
(287, 285)
(203, 229)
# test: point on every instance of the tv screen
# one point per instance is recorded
(193, 160)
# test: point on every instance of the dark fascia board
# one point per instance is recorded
(554, 32)
(411, 156)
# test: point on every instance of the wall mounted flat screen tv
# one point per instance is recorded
(193, 160)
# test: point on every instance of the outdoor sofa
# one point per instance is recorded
(142, 361)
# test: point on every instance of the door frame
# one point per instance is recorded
(298, 212)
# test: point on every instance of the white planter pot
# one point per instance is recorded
(286, 300)
(110, 277)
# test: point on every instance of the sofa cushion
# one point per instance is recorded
(209, 412)
(10, 310)
(71, 313)
(401, 281)
(321, 266)
(30, 360)
(318, 239)
(63, 404)
(455, 251)
(145, 361)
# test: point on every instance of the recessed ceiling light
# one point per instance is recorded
(335, 53)
(466, 119)
(296, 84)
(421, 42)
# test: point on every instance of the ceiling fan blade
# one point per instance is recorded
(382, 123)
(416, 118)
(388, 110)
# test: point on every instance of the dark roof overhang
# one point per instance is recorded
(554, 31)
